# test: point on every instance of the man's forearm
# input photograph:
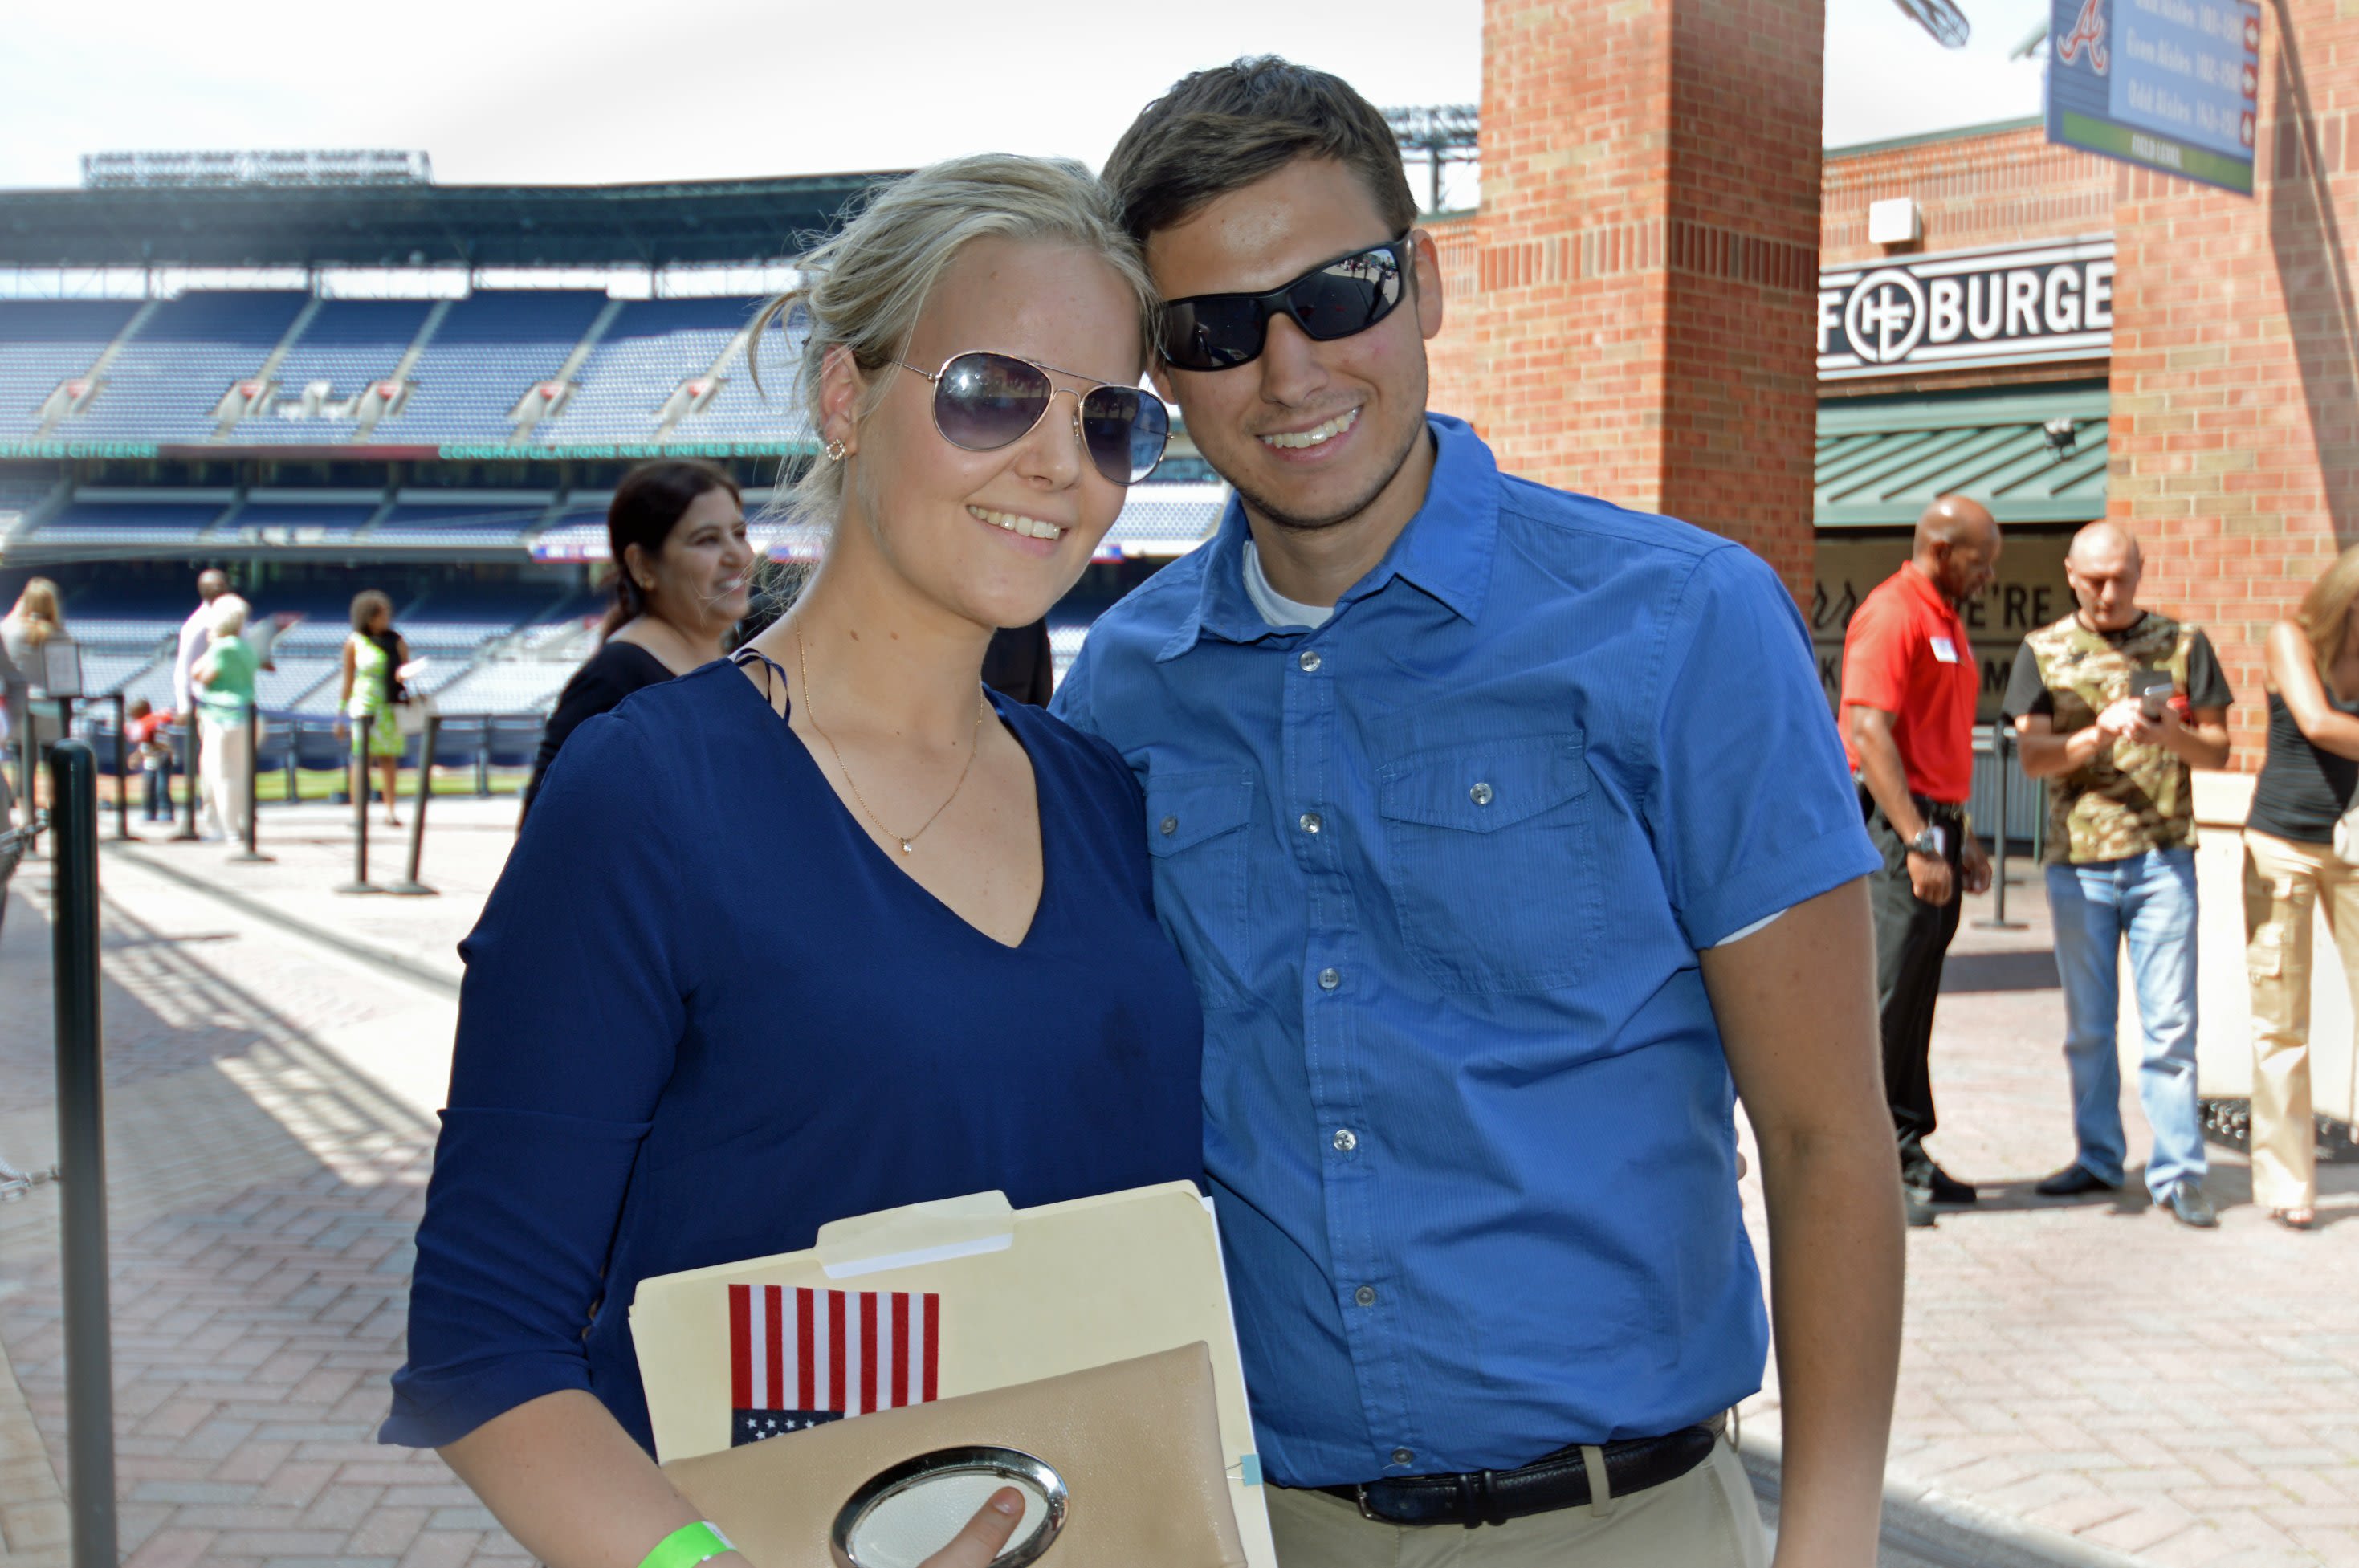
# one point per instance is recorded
(1886, 778)
(1835, 1270)
(2046, 755)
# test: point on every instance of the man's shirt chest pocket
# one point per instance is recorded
(1196, 838)
(1488, 856)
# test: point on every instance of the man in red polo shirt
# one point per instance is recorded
(1909, 688)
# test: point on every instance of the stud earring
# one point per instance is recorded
(835, 450)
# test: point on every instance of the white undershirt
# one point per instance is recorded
(1276, 610)
(1275, 607)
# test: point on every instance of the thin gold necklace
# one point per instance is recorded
(908, 842)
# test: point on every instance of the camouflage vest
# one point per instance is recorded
(2132, 798)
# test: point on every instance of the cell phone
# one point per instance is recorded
(2153, 688)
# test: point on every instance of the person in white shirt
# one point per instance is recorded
(196, 632)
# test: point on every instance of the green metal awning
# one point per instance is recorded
(1881, 462)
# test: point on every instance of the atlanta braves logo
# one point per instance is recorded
(2088, 32)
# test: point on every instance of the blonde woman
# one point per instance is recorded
(2291, 868)
(831, 929)
(31, 632)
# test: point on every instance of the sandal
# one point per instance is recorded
(2296, 1218)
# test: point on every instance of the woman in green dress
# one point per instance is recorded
(372, 655)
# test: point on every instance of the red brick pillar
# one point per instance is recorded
(1632, 310)
(2235, 376)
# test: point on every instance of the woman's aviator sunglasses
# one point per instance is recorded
(1333, 299)
(985, 401)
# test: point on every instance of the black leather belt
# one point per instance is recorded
(1559, 1480)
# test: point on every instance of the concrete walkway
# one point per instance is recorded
(2081, 1382)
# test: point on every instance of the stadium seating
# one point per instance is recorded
(44, 342)
(1164, 520)
(130, 524)
(742, 412)
(489, 350)
(168, 378)
(462, 521)
(652, 347)
(348, 344)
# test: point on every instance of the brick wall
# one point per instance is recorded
(2235, 376)
(1630, 309)
(1995, 188)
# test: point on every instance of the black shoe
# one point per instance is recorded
(2073, 1182)
(1944, 1188)
(2189, 1206)
(1913, 1214)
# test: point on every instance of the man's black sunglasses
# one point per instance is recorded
(1333, 299)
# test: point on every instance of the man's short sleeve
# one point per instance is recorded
(1072, 701)
(1876, 656)
(1738, 840)
(2027, 688)
(2207, 683)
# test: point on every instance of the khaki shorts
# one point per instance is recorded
(1706, 1519)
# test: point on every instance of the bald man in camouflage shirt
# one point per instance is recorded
(2115, 705)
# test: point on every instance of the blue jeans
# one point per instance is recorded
(2150, 899)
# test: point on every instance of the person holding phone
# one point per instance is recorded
(2115, 705)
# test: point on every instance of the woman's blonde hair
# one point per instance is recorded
(2326, 608)
(36, 610)
(864, 290)
(229, 615)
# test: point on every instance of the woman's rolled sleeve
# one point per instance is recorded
(569, 1020)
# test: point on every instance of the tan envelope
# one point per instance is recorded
(1024, 1296)
(1137, 1444)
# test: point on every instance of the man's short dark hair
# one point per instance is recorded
(1221, 130)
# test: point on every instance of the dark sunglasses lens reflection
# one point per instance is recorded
(984, 401)
(1213, 334)
(1125, 429)
(1350, 297)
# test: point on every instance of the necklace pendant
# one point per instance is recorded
(905, 847)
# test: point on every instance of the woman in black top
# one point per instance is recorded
(676, 530)
(2291, 867)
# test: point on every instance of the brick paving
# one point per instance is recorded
(2089, 1371)
(2094, 1368)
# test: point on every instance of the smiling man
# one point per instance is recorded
(1507, 837)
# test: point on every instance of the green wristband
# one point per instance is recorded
(688, 1546)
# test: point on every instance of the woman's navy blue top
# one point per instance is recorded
(705, 1014)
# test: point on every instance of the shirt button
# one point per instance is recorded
(1480, 794)
(1330, 978)
(1365, 1295)
(1346, 1140)
(1309, 660)
(1309, 822)
(1167, 826)
(1403, 1456)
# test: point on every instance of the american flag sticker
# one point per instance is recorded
(799, 1359)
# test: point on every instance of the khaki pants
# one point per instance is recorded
(2283, 882)
(1706, 1519)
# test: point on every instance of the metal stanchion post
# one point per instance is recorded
(2002, 741)
(361, 759)
(250, 855)
(122, 770)
(410, 884)
(193, 748)
(81, 1155)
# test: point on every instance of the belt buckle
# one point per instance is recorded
(1361, 1491)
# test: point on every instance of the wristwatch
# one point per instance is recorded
(1926, 842)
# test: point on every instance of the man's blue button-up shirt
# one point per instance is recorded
(1441, 869)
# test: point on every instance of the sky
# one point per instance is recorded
(599, 91)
